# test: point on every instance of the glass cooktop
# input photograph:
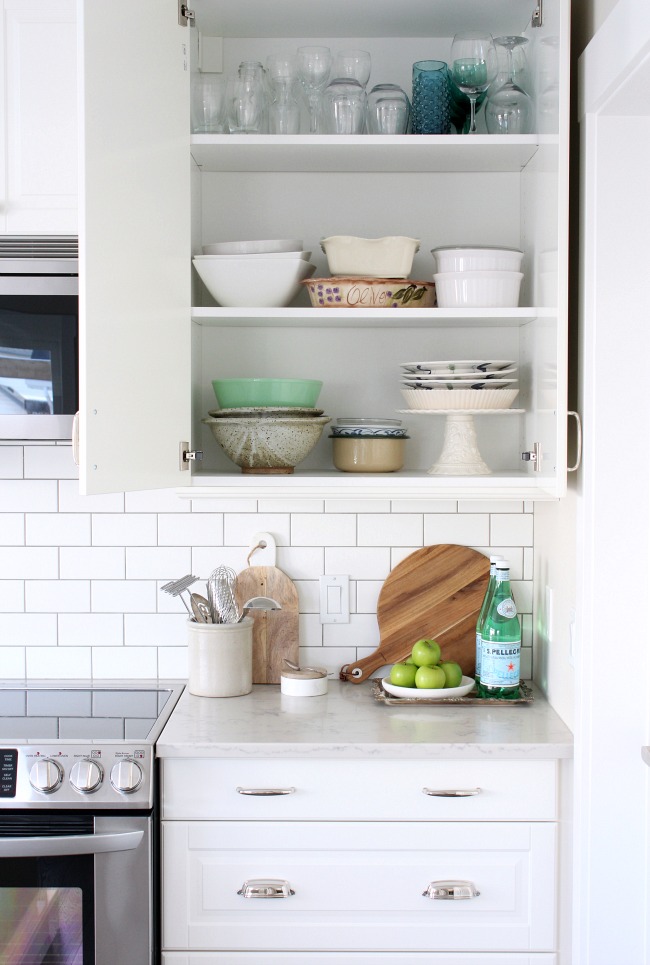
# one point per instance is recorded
(79, 714)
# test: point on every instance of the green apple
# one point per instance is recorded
(403, 674)
(408, 660)
(430, 678)
(453, 673)
(425, 653)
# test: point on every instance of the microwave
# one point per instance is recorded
(39, 329)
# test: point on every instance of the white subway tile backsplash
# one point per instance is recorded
(302, 562)
(308, 595)
(12, 663)
(384, 529)
(22, 562)
(331, 658)
(529, 557)
(28, 495)
(74, 663)
(57, 529)
(123, 596)
(50, 462)
(368, 595)
(92, 562)
(240, 528)
(57, 596)
(12, 596)
(11, 462)
(310, 630)
(522, 592)
(320, 529)
(156, 501)
(71, 500)
(155, 629)
(130, 529)
(157, 562)
(206, 558)
(12, 529)
(190, 529)
(468, 529)
(359, 562)
(513, 554)
(512, 530)
(27, 630)
(399, 553)
(172, 663)
(124, 663)
(91, 629)
(361, 631)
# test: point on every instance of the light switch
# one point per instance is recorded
(334, 599)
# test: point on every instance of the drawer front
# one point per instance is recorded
(359, 790)
(354, 958)
(358, 886)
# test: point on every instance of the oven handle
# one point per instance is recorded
(69, 844)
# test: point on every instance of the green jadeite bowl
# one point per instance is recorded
(236, 393)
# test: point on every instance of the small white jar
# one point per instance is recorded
(304, 683)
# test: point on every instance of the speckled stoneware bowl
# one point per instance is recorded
(267, 446)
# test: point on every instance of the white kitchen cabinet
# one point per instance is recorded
(152, 338)
(359, 844)
(38, 161)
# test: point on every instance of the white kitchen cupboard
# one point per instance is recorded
(152, 338)
(359, 845)
(38, 155)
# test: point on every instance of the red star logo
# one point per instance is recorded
(511, 666)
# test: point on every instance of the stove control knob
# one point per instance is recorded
(126, 776)
(46, 775)
(86, 776)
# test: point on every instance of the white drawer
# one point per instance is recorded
(354, 958)
(358, 887)
(359, 790)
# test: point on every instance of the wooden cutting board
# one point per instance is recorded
(435, 592)
(275, 632)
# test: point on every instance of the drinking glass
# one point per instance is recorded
(314, 64)
(246, 103)
(343, 107)
(474, 66)
(353, 64)
(431, 97)
(509, 109)
(208, 103)
(388, 110)
(284, 109)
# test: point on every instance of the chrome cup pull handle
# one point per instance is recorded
(450, 890)
(459, 792)
(265, 791)
(266, 888)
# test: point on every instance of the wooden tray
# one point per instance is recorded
(471, 700)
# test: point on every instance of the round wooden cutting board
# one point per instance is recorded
(436, 592)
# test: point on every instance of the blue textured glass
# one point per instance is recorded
(431, 98)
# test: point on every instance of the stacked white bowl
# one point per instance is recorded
(478, 277)
(257, 274)
(459, 384)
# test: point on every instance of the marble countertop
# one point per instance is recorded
(348, 722)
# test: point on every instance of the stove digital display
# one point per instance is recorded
(8, 771)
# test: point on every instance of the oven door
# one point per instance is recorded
(75, 889)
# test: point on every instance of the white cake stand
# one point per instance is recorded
(460, 454)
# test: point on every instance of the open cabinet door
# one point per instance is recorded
(134, 234)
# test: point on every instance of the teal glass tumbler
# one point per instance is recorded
(431, 110)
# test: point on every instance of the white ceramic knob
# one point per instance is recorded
(46, 775)
(86, 776)
(126, 776)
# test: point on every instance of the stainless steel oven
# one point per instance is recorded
(39, 323)
(78, 823)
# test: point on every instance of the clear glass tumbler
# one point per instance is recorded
(208, 103)
(343, 108)
(388, 110)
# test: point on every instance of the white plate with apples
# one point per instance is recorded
(418, 693)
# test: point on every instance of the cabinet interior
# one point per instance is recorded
(444, 190)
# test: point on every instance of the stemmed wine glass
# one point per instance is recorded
(509, 109)
(474, 66)
(314, 65)
(354, 64)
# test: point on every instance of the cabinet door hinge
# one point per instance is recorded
(185, 15)
(534, 455)
(187, 455)
(538, 17)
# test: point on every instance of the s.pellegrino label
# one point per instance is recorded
(500, 642)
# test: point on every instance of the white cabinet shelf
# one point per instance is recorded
(358, 318)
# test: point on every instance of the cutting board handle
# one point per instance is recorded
(263, 547)
(360, 670)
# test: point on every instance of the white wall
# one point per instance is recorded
(80, 576)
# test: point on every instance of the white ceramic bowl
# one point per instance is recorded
(418, 693)
(477, 259)
(478, 289)
(252, 247)
(295, 255)
(258, 283)
(440, 399)
(390, 257)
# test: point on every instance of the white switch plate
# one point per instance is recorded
(334, 599)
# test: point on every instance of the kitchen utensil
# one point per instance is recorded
(436, 592)
(418, 693)
(358, 292)
(275, 632)
(177, 587)
(221, 597)
(200, 608)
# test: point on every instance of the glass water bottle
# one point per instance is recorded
(483, 613)
(501, 641)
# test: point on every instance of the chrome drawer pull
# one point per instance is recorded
(266, 888)
(265, 791)
(451, 890)
(469, 792)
